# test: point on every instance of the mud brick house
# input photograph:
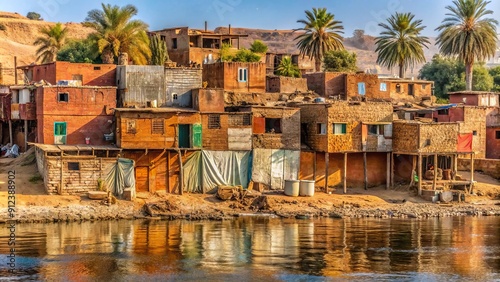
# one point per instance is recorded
(493, 133)
(345, 86)
(188, 46)
(158, 140)
(236, 76)
(273, 60)
(406, 89)
(143, 86)
(471, 119)
(340, 132)
(275, 144)
(72, 115)
(419, 144)
(80, 73)
(475, 98)
(76, 170)
(285, 84)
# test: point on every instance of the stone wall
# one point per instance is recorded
(414, 137)
(351, 114)
(288, 139)
(488, 166)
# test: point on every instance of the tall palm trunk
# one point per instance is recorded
(107, 57)
(468, 76)
(317, 64)
(401, 70)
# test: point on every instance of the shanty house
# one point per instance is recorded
(341, 130)
(236, 76)
(188, 46)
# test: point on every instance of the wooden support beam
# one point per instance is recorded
(344, 172)
(315, 166)
(435, 172)
(392, 170)
(59, 191)
(455, 165)
(25, 135)
(365, 168)
(167, 172)
(11, 139)
(388, 169)
(472, 167)
(327, 164)
(419, 174)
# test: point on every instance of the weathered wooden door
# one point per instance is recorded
(184, 136)
(141, 179)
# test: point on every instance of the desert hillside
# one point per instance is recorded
(17, 37)
(17, 34)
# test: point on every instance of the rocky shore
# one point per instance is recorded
(208, 207)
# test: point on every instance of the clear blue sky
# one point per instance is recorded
(265, 14)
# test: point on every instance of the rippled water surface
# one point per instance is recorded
(257, 249)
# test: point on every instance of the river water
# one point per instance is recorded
(257, 249)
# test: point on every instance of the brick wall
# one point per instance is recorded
(492, 143)
(208, 100)
(218, 138)
(74, 182)
(283, 84)
(475, 121)
(413, 137)
(91, 74)
(405, 137)
(87, 113)
(372, 86)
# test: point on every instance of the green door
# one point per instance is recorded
(184, 136)
(197, 143)
(60, 133)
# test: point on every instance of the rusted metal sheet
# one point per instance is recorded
(14, 111)
(259, 125)
(239, 139)
(27, 111)
(139, 85)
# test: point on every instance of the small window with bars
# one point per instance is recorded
(158, 126)
(214, 121)
(131, 126)
(239, 120)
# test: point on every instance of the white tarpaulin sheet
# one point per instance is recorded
(272, 167)
(205, 170)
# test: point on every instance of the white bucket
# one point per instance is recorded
(292, 187)
(306, 188)
(154, 104)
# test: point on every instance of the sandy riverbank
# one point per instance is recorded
(32, 205)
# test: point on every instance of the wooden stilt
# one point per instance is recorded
(365, 170)
(435, 172)
(344, 173)
(388, 175)
(419, 174)
(314, 166)
(472, 167)
(392, 170)
(25, 135)
(11, 139)
(327, 164)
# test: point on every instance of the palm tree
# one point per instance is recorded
(287, 68)
(467, 34)
(115, 33)
(321, 34)
(400, 43)
(50, 42)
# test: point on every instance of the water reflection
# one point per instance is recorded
(258, 248)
